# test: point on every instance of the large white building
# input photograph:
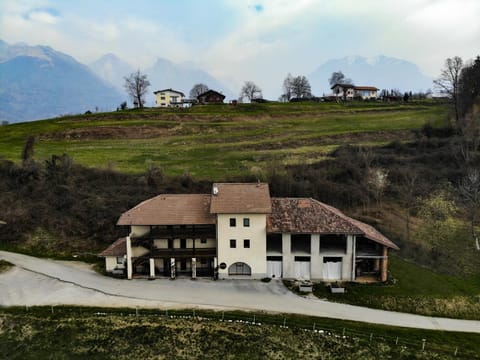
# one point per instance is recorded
(239, 231)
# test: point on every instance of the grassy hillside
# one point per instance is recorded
(65, 332)
(215, 142)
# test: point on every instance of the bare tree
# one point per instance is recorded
(301, 87)
(469, 191)
(409, 188)
(198, 89)
(136, 85)
(338, 78)
(449, 82)
(250, 91)
(287, 88)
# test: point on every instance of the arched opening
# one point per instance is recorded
(239, 268)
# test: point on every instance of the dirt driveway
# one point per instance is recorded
(35, 281)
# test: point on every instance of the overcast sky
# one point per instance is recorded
(238, 40)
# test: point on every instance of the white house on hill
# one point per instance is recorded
(239, 231)
(169, 98)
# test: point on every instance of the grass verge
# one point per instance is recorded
(415, 289)
(5, 265)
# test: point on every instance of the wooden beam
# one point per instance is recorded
(384, 265)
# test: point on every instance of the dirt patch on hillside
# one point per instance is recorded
(109, 132)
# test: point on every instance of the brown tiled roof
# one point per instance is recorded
(240, 198)
(367, 230)
(300, 215)
(118, 248)
(191, 209)
(373, 234)
(345, 86)
(370, 88)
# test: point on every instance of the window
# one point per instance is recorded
(246, 244)
(233, 222)
(162, 97)
(119, 259)
(203, 241)
(233, 243)
(246, 222)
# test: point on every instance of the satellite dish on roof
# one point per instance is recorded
(215, 190)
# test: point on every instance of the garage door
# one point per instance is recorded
(274, 269)
(302, 270)
(332, 270)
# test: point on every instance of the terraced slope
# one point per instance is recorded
(218, 141)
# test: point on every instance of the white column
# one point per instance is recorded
(354, 255)
(172, 268)
(129, 257)
(194, 268)
(316, 261)
(152, 267)
(287, 258)
(347, 260)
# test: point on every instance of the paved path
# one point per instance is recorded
(36, 281)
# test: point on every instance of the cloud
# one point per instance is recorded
(47, 16)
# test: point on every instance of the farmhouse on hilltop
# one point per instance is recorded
(239, 231)
(211, 97)
(350, 92)
(169, 98)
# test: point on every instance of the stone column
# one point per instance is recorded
(129, 258)
(384, 266)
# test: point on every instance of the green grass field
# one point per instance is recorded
(415, 289)
(217, 142)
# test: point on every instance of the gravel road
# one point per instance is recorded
(35, 281)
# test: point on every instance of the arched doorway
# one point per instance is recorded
(239, 268)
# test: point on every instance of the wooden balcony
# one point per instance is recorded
(181, 253)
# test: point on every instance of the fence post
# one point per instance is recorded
(254, 318)
(371, 337)
(314, 324)
(396, 341)
(166, 312)
(136, 310)
(423, 344)
(284, 321)
(51, 306)
(223, 315)
(456, 350)
(343, 332)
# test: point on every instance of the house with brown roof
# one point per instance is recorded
(211, 97)
(239, 231)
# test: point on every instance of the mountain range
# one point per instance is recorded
(381, 71)
(38, 82)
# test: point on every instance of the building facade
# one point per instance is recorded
(351, 92)
(239, 231)
(169, 98)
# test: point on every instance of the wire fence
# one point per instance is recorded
(313, 325)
